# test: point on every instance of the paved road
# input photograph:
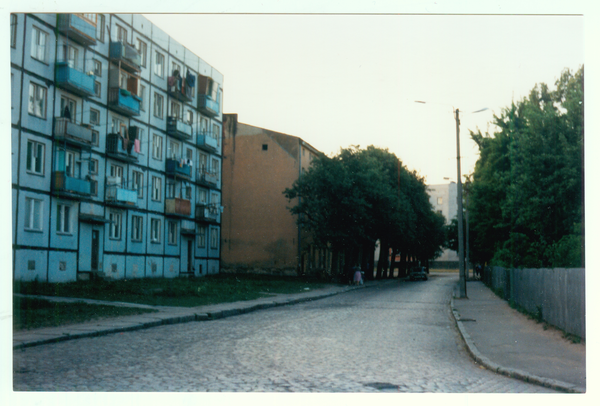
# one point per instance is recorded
(396, 337)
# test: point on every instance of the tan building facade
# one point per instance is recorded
(259, 234)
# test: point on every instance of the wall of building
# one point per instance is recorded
(45, 252)
(443, 200)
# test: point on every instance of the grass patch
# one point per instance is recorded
(30, 313)
(182, 292)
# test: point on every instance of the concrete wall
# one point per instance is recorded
(558, 293)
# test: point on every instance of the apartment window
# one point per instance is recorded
(69, 165)
(123, 79)
(156, 188)
(13, 30)
(70, 54)
(186, 192)
(202, 162)
(94, 116)
(189, 117)
(97, 89)
(33, 214)
(189, 154)
(68, 108)
(95, 138)
(170, 189)
(116, 219)
(216, 133)
(159, 64)
(121, 34)
(214, 200)
(172, 225)
(140, 137)
(201, 237)
(155, 230)
(176, 67)
(118, 126)
(142, 97)
(116, 172)
(63, 221)
(214, 238)
(37, 100)
(142, 48)
(203, 125)
(158, 105)
(94, 187)
(39, 41)
(97, 68)
(202, 196)
(138, 183)
(91, 17)
(216, 167)
(440, 200)
(173, 150)
(137, 228)
(100, 28)
(156, 146)
(175, 110)
(93, 168)
(35, 157)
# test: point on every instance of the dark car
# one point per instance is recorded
(417, 273)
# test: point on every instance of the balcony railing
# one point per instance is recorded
(121, 148)
(207, 212)
(75, 81)
(207, 105)
(205, 141)
(179, 129)
(179, 88)
(127, 54)
(66, 130)
(69, 186)
(77, 28)
(124, 102)
(177, 168)
(207, 178)
(120, 195)
(177, 206)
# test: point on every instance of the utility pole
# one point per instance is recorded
(467, 257)
(461, 247)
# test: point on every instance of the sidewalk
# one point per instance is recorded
(165, 315)
(508, 342)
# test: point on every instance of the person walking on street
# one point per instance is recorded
(357, 275)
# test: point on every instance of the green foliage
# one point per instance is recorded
(527, 191)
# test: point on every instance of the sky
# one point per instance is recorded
(342, 80)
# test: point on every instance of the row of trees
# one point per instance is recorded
(526, 196)
(350, 201)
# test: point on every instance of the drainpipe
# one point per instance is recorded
(299, 201)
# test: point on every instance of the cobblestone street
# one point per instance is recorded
(396, 337)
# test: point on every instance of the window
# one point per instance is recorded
(156, 188)
(159, 65)
(265, 147)
(158, 105)
(440, 200)
(33, 214)
(13, 30)
(68, 108)
(93, 169)
(37, 100)
(95, 138)
(97, 89)
(201, 237)
(70, 54)
(118, 126)
(173, 150)
(100, 28)
(116, 172)
(140, 137)
(189, 117)
(202, 196)
(143, 50)
(176, 67)
(216, 167)
(202, 162)
(63, 221)
(137, 228)
(115, 225)
(186, 192)
(170, 189)
(69, 163)
(214, 238)
(35, 157)
(172, 225)
(39, 40)
(97, 68)
(123, 79)
(142, 97)
(214, 200)
(155, 230)
(138, 183)
(216, 133)
(189, 154)
(90, 17)
(157, 146)
(175, 110)
(95, 116)
(94, 187)
(121, 34)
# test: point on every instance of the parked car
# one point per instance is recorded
(417, 273)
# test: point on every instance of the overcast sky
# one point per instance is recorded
(341, 80)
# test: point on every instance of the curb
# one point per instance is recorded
(207, 316)
(510, 372)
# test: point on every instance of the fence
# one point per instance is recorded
(556, 295)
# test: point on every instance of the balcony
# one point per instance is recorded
(205, 141)
(124, 102)
(72, 133)
(207, 105)
(77, 28)
(207, 212)
(206, 178)
(121, 148)
(74, 81)
(67, 186)
(178, 207)
(177, 169)
(127, 55)
(181, 88)
(179, 129)
(118, 195)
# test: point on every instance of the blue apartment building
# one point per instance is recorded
(116, 150)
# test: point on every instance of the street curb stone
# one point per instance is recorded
(510, 372)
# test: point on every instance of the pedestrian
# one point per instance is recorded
(357, 275)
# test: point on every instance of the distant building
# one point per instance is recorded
(116, 150)
(443, 200)
(259, 232)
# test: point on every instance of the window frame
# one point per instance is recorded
(116, 225)
(159, 105)
(31, 162)
(159, 64)
(142, 48)
(138, 183)
(201, 237)
(37, 33)
(214, 238)
(13, 30)
(172, 232)
(156, 189)
(101, 19)
(155, 228)
(157, 147)
(137, 228)
(30, 204)
(33, 86)
(63, 219)
(97, 113)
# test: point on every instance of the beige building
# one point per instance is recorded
(443, 200)
(259, 234)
